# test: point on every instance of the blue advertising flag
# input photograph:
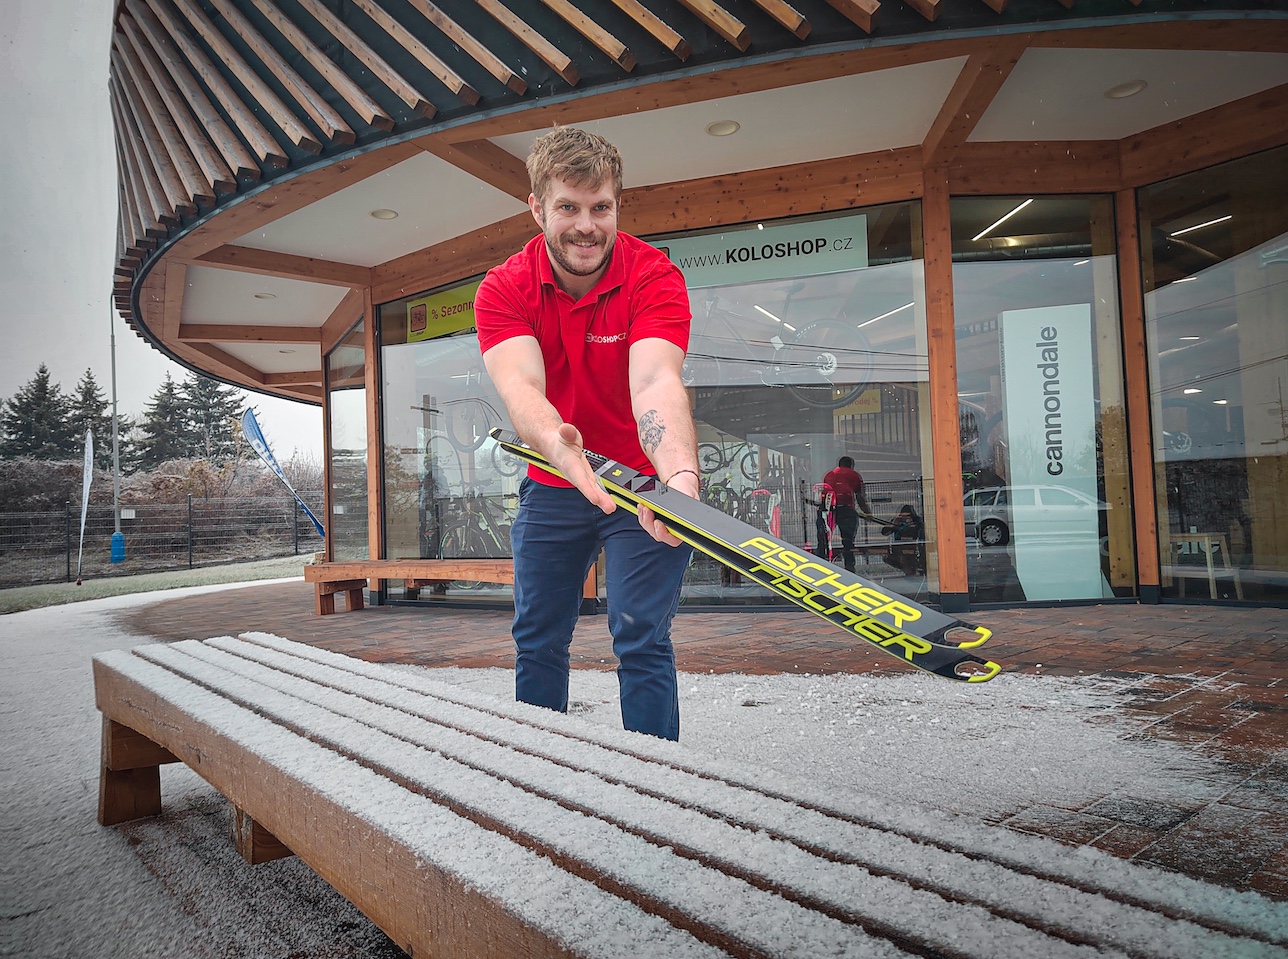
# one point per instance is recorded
(255, 436)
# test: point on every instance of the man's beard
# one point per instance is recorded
(557, 254)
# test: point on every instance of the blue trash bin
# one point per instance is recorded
(118, 547)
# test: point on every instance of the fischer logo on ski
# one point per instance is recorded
(914, 633)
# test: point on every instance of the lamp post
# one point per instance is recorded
(118, 538)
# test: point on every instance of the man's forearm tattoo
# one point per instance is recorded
(652, 429)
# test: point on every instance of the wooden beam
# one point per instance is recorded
(148, 32)
(721, 21)
(261, 93)
(978, 83)
(342, 319)
(1254, 123)
(174, 283)
(552, 56)
(158, 19)
(483, 160)
(244, 259)
(461, 256)
(379, 67)
(409, 42)
(941, 354)
(608, 44)
(238, 333)
(297, 378)
(1249, 36)
(481, 55)
(659, 30)
(198, 180)
(226, 365)
(1043, 166)
(788, 17)
(858, 11)
(332, 125)
(1136, 367)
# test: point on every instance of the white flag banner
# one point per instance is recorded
(87, 477)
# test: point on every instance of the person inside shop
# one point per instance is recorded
(583, 333)
(906, 551)
(848, 503)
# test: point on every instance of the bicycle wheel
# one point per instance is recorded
(710, 458)
(827, 364)
(749, 464)
(467, 424)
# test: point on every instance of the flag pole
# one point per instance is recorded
(118, 538)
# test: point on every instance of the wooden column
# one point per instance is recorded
(375, 445)
(1136, 367)
(941, 349)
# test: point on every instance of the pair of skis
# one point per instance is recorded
(916, 634)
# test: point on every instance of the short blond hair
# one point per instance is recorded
(575, 156)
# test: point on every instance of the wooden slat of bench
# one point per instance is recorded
(953, 861)
(436, 883)
(438, 570)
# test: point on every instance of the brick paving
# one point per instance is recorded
(1213, 678)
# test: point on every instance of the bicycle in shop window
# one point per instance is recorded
(825, 363)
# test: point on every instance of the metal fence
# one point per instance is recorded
(46, 547)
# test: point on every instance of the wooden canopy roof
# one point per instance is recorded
(232, 116)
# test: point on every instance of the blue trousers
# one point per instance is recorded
(556, 538)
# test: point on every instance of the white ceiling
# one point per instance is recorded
(1059, 94)
(1051, 94)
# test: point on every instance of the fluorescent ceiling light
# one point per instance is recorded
(1191, 337)
(1220, 402)
(983, 233)
(786, 326)
(1191, 390)
(1082, 263)
(1199, 226)
(897, 309)
(1185, 279)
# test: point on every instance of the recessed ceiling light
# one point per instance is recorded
(723, 128)
(286, 351)
(384, 214)
(1124, 90)
(265, 296)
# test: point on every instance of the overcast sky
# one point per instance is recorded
(58, 221)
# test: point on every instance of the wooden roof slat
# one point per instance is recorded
(927, 8)
(466, 41)
(147, 139)
(551, 55)
(131, 218)
(139, 205)
(862, 11)
(721, 21)
(409, 42)
(382, 71)
(999, 6)
(238, 333)
(341, 82)
(150, 111)
(612, 48)
(662, 33)
(332, 125)
(787, 15)
(140, 58)
(235, 152)
(282, 115)
(246, 259)
(171, 31)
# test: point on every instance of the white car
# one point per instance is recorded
(1049, 511)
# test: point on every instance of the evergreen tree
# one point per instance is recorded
(34, 422)
(90, 410)
(213, 409)
(166, 433)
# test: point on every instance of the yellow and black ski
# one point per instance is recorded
(914, 633)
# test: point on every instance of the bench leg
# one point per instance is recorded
(254, 843)
(323, 603)
(129, 784)
(354, 598)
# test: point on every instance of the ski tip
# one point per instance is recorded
(976, 670)
(982, 636)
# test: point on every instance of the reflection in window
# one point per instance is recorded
(450, 491)
(347, 409)
(1040, 395)
(807, 344)
(1215, 258)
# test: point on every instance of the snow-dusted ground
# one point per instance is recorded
(174, 887)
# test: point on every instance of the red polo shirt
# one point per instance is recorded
(586, 343)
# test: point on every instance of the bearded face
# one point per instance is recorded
(580, 228)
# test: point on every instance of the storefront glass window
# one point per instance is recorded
(1215, 252)
(1043, 429)
(347, 416)
(807, 344)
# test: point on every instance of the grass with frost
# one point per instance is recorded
(55, 594)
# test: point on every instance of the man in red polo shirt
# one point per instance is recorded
(583, 332)
(848, 501)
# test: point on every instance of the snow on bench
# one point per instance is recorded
(466, 826)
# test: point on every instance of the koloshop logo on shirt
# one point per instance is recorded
(600, 338)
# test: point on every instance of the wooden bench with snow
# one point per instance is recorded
(467, 826)
(351, 576)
